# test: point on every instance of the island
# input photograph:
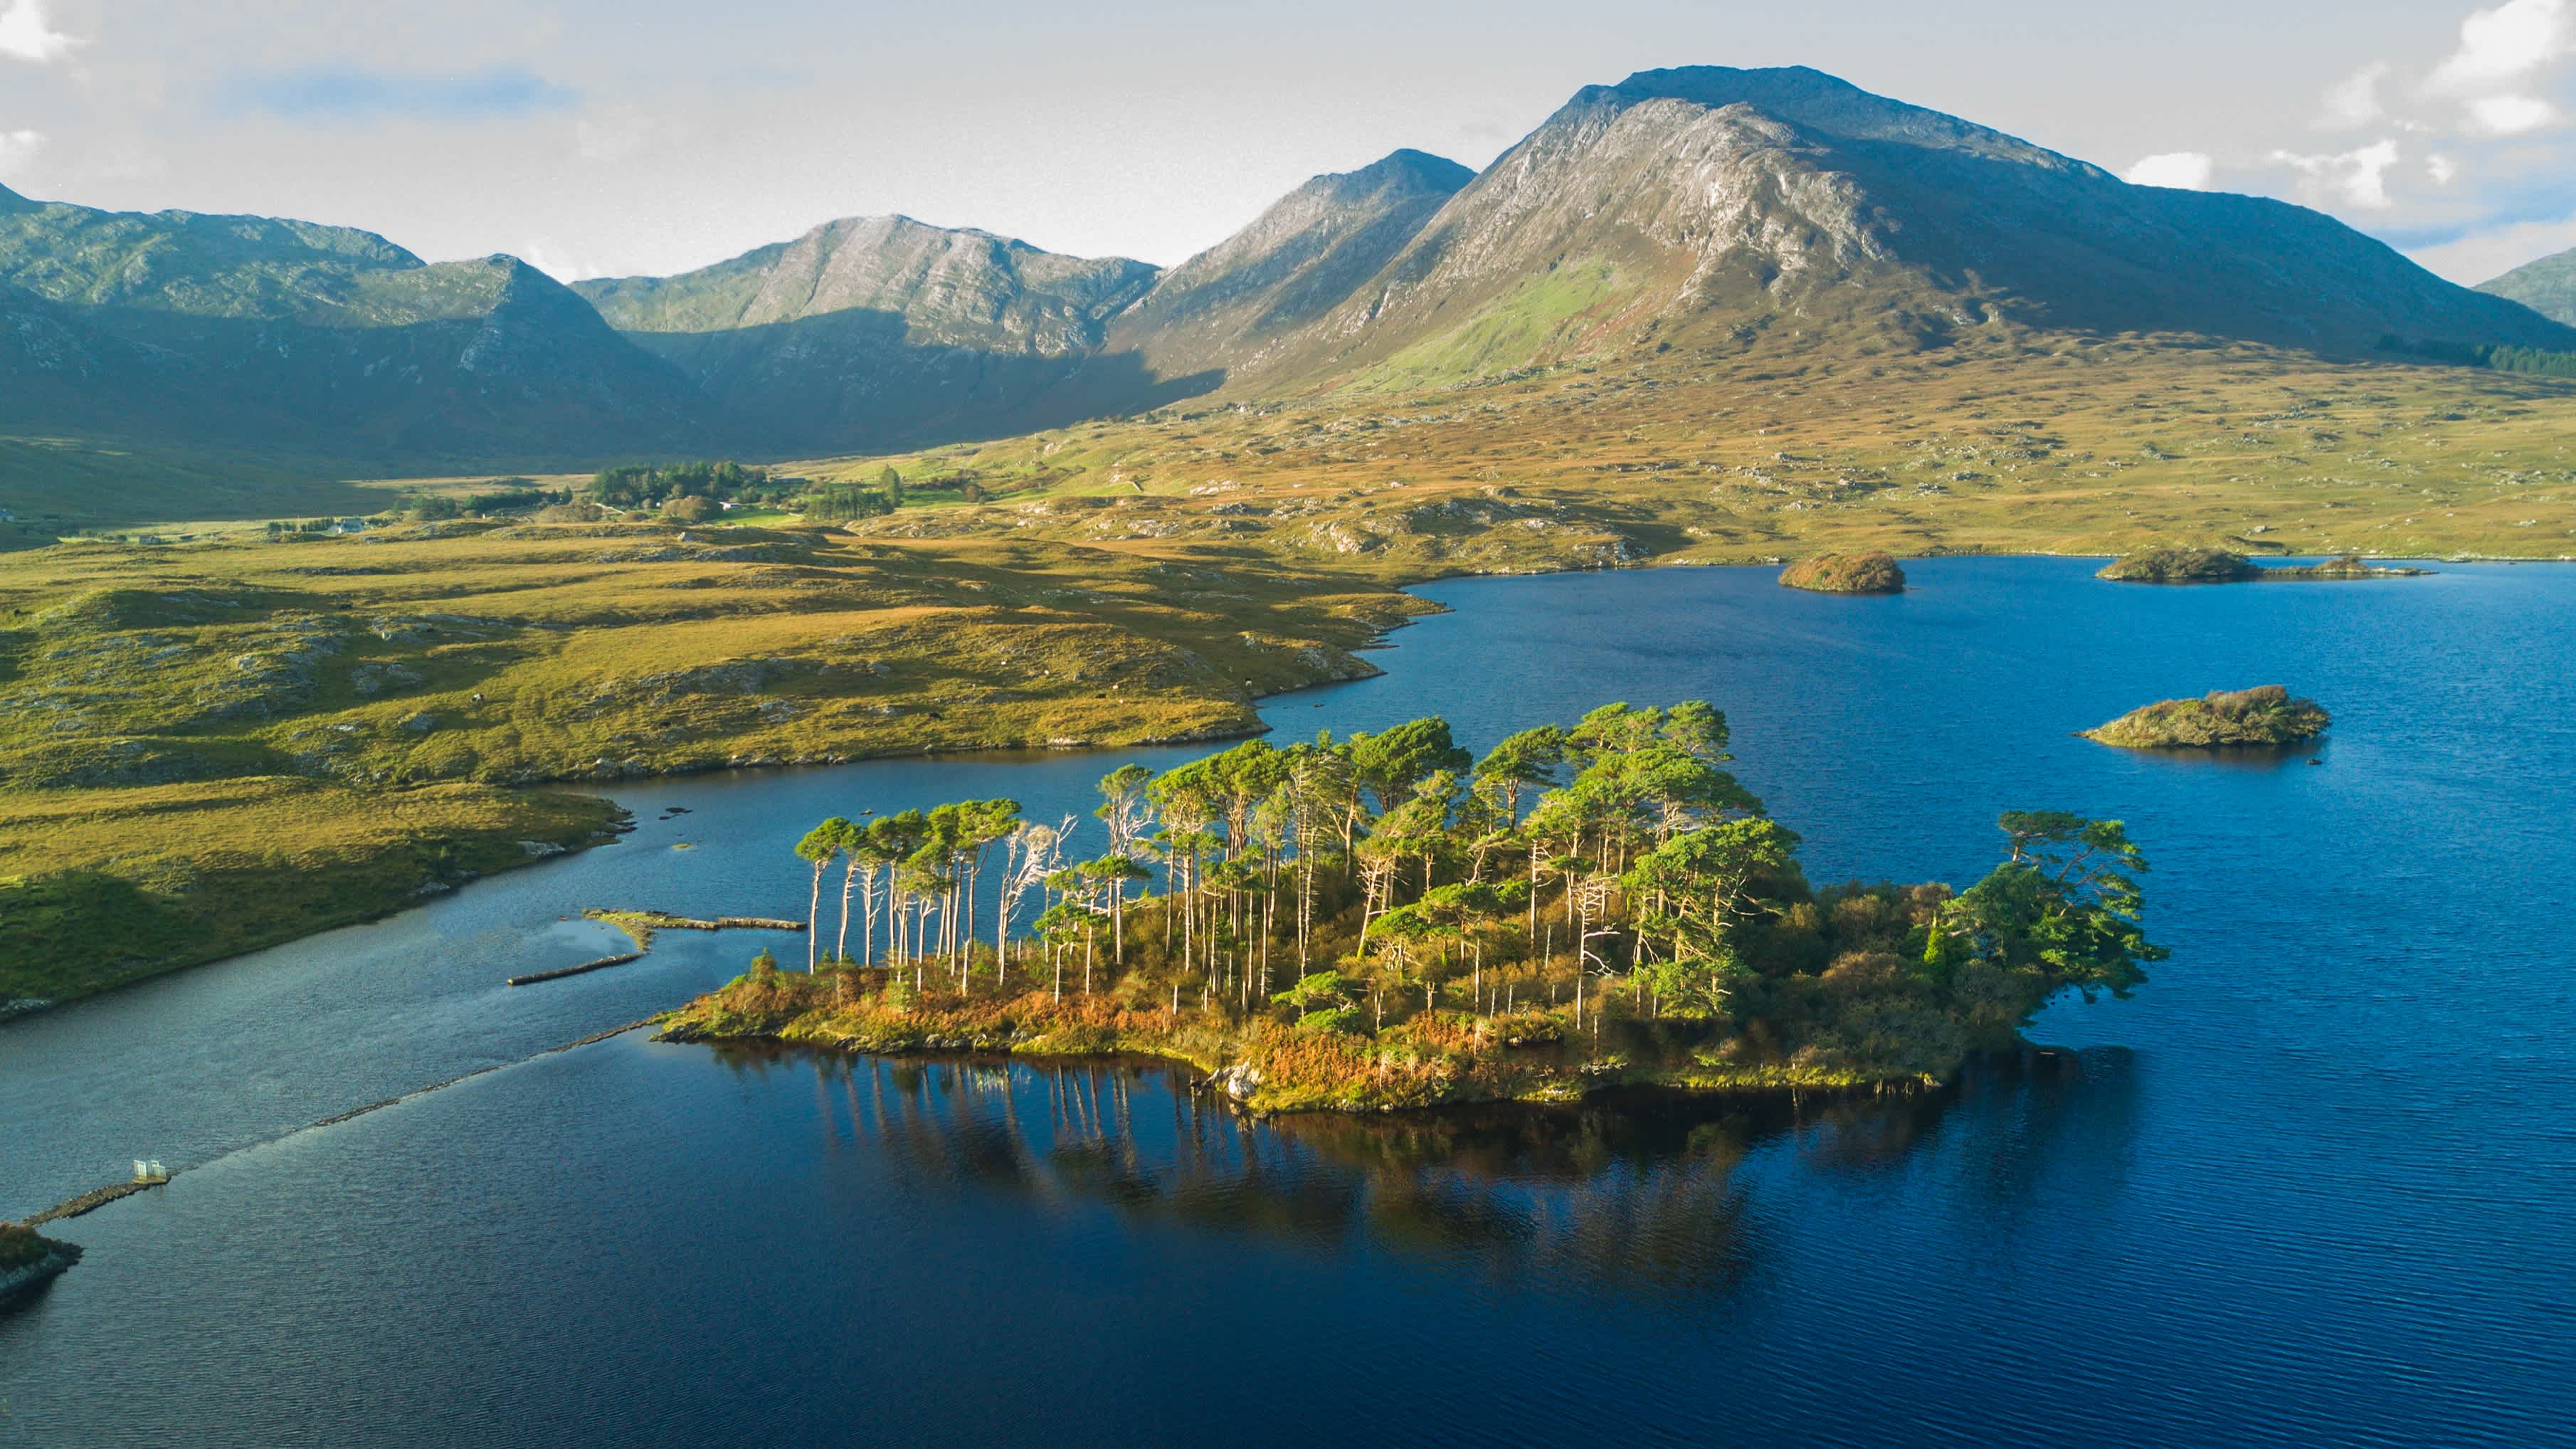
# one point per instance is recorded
(2263, 715)
(1845, 573)
(1386, 921)
(2181, 566)
(2345, 566)
(2218, 566)
(29, 1260)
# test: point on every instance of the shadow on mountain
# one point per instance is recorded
(499, 388)
(2086, 253)
(855, 381)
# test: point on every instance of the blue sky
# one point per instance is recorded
(653, 135)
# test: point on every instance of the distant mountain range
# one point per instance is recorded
(247, 331)
(1696, 208)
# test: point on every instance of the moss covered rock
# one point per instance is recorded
(1846, 573)
(2264, 715)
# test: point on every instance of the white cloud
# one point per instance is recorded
(2508, 115)
(2354, 178)
(2501, 51)
(2499, 47)
(2441, 169)
(2353, 102)
(25, 34)
(17, 148)
(2181, 170)
(2474, 259)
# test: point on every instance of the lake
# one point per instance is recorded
(2310, 1186)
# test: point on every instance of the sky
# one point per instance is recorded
(615, 137)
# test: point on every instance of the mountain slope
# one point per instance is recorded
(2547, 286)
(1709, 210)
(878, 330)
(1689, 202)
(1301, 258)
(312, 339)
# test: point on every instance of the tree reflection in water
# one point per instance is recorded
(1626, 1193)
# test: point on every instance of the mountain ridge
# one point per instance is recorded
(879, 330)
(1682, 198)
(1708, 209)
(1304, 255)
(2546, 285)
(241, 330)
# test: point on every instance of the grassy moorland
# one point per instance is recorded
(188, 731)
(1385, 921)
(1103, 584)
(2066, 446)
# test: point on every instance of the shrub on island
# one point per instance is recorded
(1845, 573)
(2181, 566)
(2264, 715)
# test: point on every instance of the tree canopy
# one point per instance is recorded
(1581, 883)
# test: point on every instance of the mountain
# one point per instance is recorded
(1310, 252)
(2547, 286)
(883, 331)
(312, 339)
(1705, 209)
(1687, 204)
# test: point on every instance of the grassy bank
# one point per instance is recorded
(209, 748)
(101, 887)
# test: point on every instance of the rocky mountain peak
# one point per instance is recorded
(1825, 106)
(1297, 261)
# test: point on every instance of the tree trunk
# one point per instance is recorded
(849, 877)
(813, 922)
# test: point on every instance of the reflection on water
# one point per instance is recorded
(1624, 1194)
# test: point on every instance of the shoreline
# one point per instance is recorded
(18, 1284)
(19, 1009)
(1536, 1056)
(1238, 1083)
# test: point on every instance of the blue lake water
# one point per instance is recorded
(2311, 1186)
